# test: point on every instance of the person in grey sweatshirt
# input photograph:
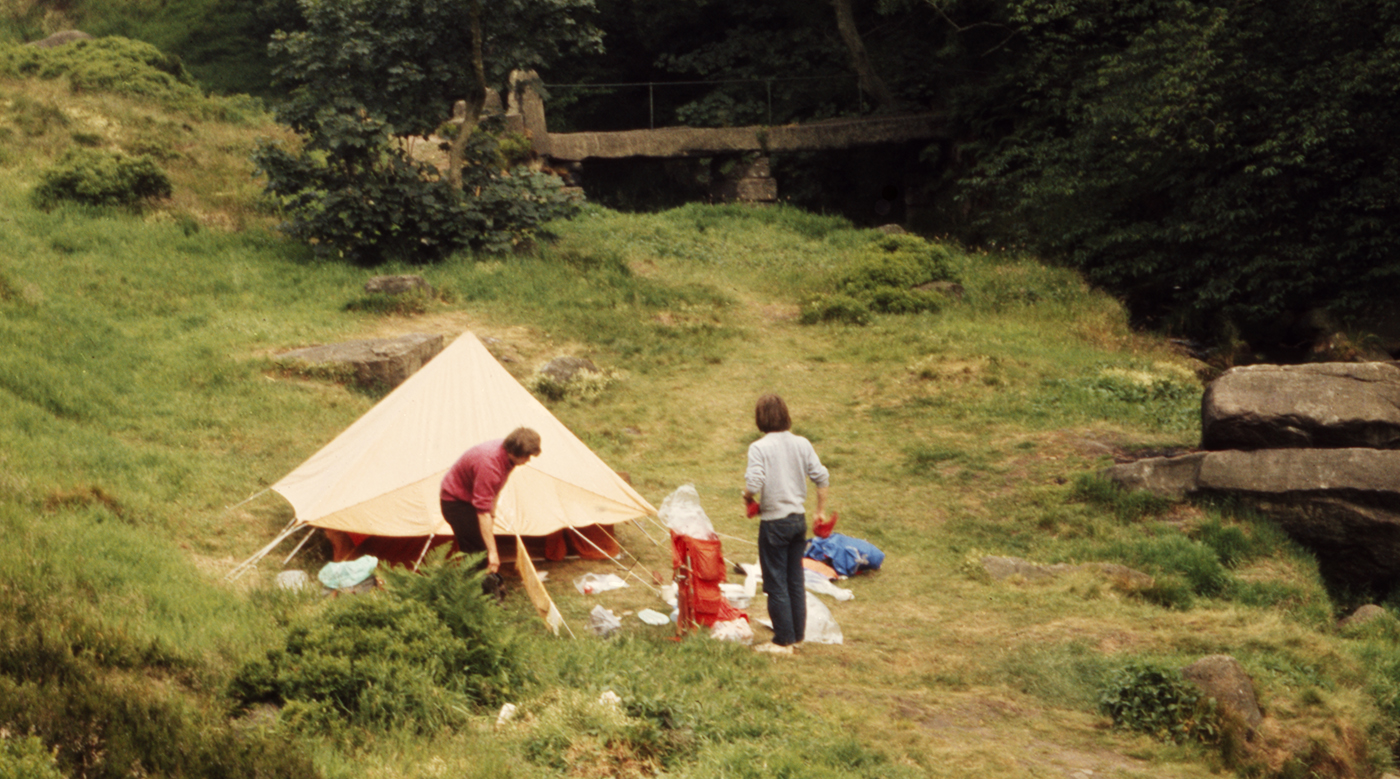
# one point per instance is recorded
(780, 465)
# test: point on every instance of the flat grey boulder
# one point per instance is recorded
(375, 362)
(1168, 477)
(1323, 405)
(565, 369)
(1222, 677)
(1343, 504)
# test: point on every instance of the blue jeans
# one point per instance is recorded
(781, 543)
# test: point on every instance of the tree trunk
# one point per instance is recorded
(467, 112)
(871, 83)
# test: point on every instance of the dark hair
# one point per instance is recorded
(523, 441)
(771, 414)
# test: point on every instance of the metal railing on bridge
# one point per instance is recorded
(737, 102)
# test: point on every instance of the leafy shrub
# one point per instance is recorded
(493, 667)
(101, 178)
(584, 384)
(371, 661)
(884, 278)
(1157, 701)
(835, 308)
(354, 194)
(26, 758)
(416, 657)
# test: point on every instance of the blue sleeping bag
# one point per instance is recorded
(847, 555)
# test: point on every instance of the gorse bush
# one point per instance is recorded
(417, 658)
(98, 177)
(370, 661)
(117, 65)
(885, 278)
(492, 666)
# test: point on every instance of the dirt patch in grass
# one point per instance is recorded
(989, 720)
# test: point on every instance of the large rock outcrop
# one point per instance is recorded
(1314, 447)
(373, 363)
(1327, 405)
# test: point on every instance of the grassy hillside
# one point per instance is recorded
(139, 408)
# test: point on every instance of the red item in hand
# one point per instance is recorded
(751, 507)
(823, 529)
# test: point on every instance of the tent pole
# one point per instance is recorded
(304, 539)
(627, 570)
(638, 524)
(243, 567)
(423, 553)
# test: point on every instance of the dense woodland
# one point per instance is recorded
(1225, 168)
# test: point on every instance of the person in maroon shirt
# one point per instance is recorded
(469, 490)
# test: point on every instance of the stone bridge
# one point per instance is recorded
(749, 182)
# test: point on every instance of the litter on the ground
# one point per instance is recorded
(602, 622)
(339, 576)
(653, 617)
(507, 714)
(815, 582)
(609, 698)
(293, 580)
(594, 583)
(821, 626)
(737, 594)
(733, 630)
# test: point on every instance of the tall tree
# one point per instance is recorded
(362, 76)
(1217, 164)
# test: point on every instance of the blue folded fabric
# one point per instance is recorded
(338, 576)
(848, 556)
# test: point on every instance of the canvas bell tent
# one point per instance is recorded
(374, 489)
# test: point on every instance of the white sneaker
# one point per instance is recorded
(772, 648)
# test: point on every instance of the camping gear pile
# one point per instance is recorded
(697, 559)
(373, 491)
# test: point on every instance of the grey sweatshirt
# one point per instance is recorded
(779, 466)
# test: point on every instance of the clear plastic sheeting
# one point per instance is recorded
(594, 583)
(815, 582)
(602, 622)
(821, 626)
(681, 513)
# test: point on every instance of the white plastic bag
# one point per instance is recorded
(594, 583)
(602, 622)
(821, 628)
(681, 512)
(733, 630)
(815, 582)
